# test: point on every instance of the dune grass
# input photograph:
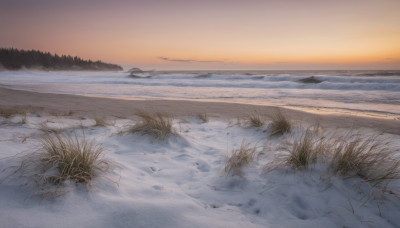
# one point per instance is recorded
(61, 113)
(76, 159)
(305, 150)
(350, 155)
(157, 126)
(280, 124)
(254, 119)
(64, 157)
(101, 122)
(203, 117)
(240, 157)
(8, 112)
(369, 158)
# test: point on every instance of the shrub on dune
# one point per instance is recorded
(280, 124)
(64, 157)
(7, 112)
(100, 122)
(369, 158)
(305, 150)
(158, 125)
(203, 117)
(61, 113)
(240, 157)
(254, 119)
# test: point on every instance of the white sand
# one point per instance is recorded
(180, 182)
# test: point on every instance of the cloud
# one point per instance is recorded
(190, 60)
(392, 59)
(281, 62)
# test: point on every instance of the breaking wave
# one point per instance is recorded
(361, 90)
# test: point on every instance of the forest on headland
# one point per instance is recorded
(14, 59)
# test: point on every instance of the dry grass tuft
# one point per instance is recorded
(7, 112)
(100, 122)
(203, 117)
(24, 119)
(63, 157)
(75, 159)
(254, 119)
(305, 150)
(240, 158)
(369, 158)
(61, 113)
(158, 125)
(280, 124)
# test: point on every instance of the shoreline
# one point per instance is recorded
(307, 109)
(86, 106)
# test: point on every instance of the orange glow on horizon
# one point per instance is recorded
(212, 34)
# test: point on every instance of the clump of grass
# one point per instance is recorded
(100, 122)
(7, 112)
(158, 125)
(203, 117)
(61, 113)
(75, 159)
(56, 113)
(240, 157)
(369, 158)
(254, 119)
(63, 157)
(280, 124)
(24, 118)
(305, 151)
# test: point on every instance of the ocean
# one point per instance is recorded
(374, 93)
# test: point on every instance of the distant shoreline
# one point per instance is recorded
(84, 106)
(15, 59)
(55, 70)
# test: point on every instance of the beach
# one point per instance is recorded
(85, 106)
(184, 179)
(200, 114)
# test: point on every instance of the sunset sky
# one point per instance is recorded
(205, 34)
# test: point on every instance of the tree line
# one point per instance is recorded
(14, 59)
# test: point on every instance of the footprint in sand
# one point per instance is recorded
(202, 166)
(182, 157)
(299, 207)
(158, 187)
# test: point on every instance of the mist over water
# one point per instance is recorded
(363, 91)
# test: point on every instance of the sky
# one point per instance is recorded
(211, 34)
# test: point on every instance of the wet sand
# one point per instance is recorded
(84, 106)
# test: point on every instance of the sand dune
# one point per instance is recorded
(181, 181)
